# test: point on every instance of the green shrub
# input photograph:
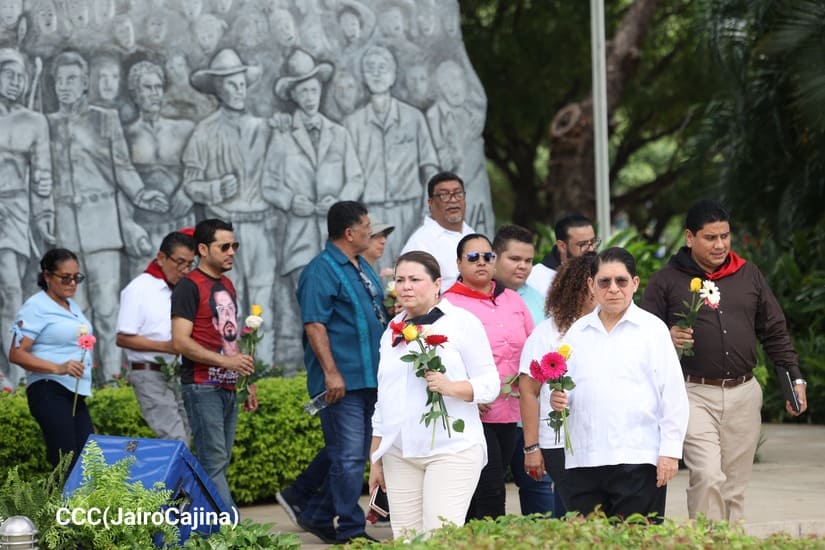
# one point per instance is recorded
(36, 496)
(22, 445)
(246, 535)
(106, 487)
(531, 532)
(115, 411)
(274, 444)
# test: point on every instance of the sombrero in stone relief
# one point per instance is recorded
(225, 63)
(300, 66)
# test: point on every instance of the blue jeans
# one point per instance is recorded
(310, 481)
(213, 417)
(535, 497)
(347, 426)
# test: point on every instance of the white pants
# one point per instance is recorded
(425, 493)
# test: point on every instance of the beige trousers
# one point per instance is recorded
(425, 493)
(721, 441)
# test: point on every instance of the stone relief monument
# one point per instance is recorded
(121, 120)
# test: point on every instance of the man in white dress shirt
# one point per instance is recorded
(629, 410)
(144, 330)
(444, 227)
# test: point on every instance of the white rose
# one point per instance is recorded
(82, 329)
(254, 322)
(390, 287)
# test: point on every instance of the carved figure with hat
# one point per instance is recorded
(225, 64)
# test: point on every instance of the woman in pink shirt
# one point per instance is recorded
(508, 323)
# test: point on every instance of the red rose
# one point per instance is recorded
(435, 339)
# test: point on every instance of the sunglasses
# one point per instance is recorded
(226, 246)
(473, 257)
(604, 283)
(68, 279)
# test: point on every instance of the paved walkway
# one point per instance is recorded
(786, 492)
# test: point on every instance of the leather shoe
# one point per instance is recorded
(326, 534)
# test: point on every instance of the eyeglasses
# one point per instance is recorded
(592, 244)
(68, 279)
(182, 262)
(446, 196)
(473, 257)
(226, 246)
(604, 283)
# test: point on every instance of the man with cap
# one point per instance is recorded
(223, 171)
(309, 167)
(24, 157)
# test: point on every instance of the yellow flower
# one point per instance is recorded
(256, 310)
(564, 351)
(410, 333)
(695, 284)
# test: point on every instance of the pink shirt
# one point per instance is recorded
(508, 323)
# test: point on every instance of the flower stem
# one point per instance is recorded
(77, 385)
(567, 443)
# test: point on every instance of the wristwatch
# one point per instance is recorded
(800, 381)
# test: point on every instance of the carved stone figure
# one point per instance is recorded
(93, 179)
(156, 145)
(122, 179)
(395, 149)
(308, 169)
(223, 170)
(456, 129)
(26, 209)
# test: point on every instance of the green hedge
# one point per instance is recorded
(272, 445)
(536, 531)
(22, 444)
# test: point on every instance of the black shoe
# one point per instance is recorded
(363, 535)
(292, 510)
(326, 534)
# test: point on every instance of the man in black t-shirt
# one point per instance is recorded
(204, 331)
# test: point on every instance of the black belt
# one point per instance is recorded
(720, 382)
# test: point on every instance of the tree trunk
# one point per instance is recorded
(571, 178)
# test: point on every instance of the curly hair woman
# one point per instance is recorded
(568, 299)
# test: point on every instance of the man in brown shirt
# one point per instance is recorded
(725, 399)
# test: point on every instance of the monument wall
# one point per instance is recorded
(122, 120)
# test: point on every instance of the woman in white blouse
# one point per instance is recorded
(429, 478)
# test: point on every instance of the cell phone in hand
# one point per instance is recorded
(787, 388)
(379, 503)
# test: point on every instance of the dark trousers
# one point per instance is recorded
(51, 406)
(621, 490)
(554, 464)
(489, 497)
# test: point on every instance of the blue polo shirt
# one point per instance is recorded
(353, 327)
(54, 332)
(534, 301)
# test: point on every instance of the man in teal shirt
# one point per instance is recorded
(343, 317)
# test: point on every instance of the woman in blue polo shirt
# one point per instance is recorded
(45, 343)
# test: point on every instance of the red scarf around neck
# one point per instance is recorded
(155, 271)
(731, 266)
